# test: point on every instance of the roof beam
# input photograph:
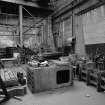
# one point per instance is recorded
(28, 3)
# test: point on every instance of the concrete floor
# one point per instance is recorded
(78, 94)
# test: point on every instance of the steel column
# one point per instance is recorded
(21, 24)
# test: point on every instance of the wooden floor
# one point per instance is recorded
(79, 94)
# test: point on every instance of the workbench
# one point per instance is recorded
(47, 78)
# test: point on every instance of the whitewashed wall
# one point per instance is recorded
(94, 26)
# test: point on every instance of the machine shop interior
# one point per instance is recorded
(52, 52)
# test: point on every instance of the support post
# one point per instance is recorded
(21, 24)
(73, 44)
